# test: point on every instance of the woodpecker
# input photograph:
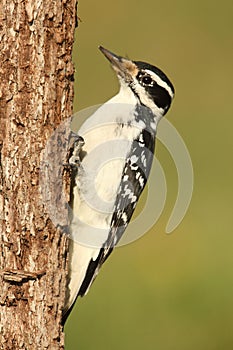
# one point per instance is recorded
(112, 165)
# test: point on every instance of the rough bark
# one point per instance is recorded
(36, 94)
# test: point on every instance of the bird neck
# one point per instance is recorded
(125, 95)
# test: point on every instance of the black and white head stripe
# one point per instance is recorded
(158, 76)
(156, 84)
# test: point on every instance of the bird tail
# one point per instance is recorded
(83, 268)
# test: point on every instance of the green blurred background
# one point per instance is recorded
(174, 291)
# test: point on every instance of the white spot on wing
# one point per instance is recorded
(124, 218)
(133, 167)
(134, 159)
(141, 141)
(143, 159)
(141, 181)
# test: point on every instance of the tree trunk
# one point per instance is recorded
(36, 95)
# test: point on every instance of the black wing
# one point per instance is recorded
(133, 181)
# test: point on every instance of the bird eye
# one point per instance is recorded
(146, 80)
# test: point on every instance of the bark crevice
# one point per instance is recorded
(36, 96)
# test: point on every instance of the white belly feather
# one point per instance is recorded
(107, 135)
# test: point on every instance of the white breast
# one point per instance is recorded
(108, 136)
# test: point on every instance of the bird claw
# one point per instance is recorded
(76, 142)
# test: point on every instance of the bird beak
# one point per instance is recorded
(123, 67)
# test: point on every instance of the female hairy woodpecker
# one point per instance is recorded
(113, 166)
